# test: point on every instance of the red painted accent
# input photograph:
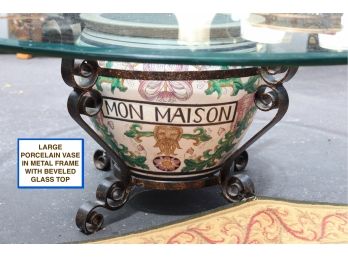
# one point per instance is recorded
(263, 221)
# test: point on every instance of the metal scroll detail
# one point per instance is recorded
(113, 192)
(236, 187)
(274, 76)
(266, 98)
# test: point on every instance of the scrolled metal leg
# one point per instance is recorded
(113, 193)
(241, 162)
(266, 98)
(237, 188)
(101, 160)
(88, 220)
(85, 100)
(270, 96)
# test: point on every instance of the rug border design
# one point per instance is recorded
(221, 210)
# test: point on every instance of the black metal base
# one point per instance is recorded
(115, 190)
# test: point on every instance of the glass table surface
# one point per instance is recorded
(245, 40)
(215, 39)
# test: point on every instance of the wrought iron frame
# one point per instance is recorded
(114, 191)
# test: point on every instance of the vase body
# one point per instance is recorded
(185, 127)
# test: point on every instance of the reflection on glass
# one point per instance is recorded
(337, 41)
(194, 29)
(25, 26)
(52, 28)
(298, 22)
(214, 33)
(260, 34)
(194, 37)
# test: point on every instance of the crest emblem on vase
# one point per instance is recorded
(167, 139)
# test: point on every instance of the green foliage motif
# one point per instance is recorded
(215, 86)
(129, 157)
(226, 144)
(115, 83)
(136, 133)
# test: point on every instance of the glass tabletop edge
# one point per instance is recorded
(252, 59)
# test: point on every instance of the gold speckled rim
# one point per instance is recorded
(178, 75)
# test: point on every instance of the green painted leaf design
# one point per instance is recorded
(215, 86)
(210, 157)
(98, 84)
(115, 83)
(108, 65)
(136, 133)
(129, 157)
(199, 136)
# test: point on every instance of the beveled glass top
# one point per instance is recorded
(217, 39)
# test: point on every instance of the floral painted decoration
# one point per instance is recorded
(165, 91)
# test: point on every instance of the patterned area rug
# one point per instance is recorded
(257, 221)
